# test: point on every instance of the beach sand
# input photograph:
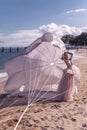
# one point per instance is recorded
(50, 115)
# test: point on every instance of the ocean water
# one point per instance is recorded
(5, 55)
(8, 54)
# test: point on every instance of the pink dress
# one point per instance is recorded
(68, 84)
(65, 89)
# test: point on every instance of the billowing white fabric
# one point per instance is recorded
(39, 70)
(58, 43)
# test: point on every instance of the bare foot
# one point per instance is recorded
(76, 98)
(69, 99)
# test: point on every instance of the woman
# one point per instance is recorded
(66, 87)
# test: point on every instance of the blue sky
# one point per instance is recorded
(30, 14)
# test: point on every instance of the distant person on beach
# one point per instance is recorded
(77, 48)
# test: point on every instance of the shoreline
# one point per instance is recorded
(3, 76)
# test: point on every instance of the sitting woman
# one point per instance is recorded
(67, 89)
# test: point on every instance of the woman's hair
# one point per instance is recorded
(67, 56)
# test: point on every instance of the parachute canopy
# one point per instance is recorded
(38, 70)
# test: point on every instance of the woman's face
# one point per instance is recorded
(65, 56)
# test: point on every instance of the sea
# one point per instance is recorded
(9, 53)
(5, 55)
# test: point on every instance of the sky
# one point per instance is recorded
(19, 17)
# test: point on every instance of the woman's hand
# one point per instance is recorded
(70, 71)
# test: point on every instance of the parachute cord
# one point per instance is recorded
(35, 100)
(22, 116)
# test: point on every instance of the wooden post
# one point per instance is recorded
(10, 49)
(2, 49)
(17, 49)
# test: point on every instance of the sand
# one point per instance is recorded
(50, 115)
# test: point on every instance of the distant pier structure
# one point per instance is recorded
(11, 49)
(2, 46)
(4, 49)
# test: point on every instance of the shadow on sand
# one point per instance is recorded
(9, 101)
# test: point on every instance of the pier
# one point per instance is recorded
(11, 49)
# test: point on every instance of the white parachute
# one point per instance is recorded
(37, 72)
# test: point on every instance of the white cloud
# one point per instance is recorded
(20, 38)
(62, 29)
(25, 37)
(76, 11)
